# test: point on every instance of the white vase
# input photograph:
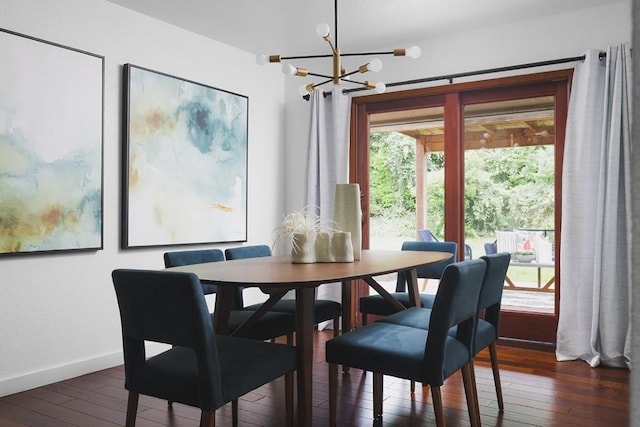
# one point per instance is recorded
(303, 250)
(342, 246)
(324, 252)
(347, 214)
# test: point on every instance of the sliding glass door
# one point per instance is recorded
(478, 164)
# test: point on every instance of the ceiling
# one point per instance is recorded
(287, 27)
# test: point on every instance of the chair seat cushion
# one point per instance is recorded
(271, 325)
(486, 334)
(244, 364)
(376, 304)
(372, 347)
(324, 309)
(419, 318)
(415, 317)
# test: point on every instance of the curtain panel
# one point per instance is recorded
(595, 296)
(328, 162)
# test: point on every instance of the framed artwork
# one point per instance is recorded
(51, 152)
(184, 161)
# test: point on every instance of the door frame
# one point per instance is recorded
(515, 325)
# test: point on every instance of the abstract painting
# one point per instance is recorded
(185, 161)
(51, 112)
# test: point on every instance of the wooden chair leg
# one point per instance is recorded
(290, 339)
(436, 395)
(493, 354)
(468, 378)
(336, 326)
(364, 319)
(288, 399)
(413, 387)
(333, 394)
(208, 419)
(234, 413)
(377, 398)
(132, 409)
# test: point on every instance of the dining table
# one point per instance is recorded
(277, 275)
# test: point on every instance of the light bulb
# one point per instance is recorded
(261, 59)
(380, 87)
(374, 65)
(413, 52)
(288, 69)
(302, 90)
(323, 30)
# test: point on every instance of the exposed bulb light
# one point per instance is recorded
(338, 75)
(290, 70)
(379, 86)
(374, 65)
(413, 52)
(323, 30)
(306, 89)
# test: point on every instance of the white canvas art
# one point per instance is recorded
(51, 108)
(186, 162)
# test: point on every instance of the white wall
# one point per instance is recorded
(560, 36)
(58, 314)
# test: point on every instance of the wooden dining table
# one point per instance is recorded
(277, 275)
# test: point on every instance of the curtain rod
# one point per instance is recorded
(450, 77)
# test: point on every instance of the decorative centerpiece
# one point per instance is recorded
(310, 241)
(524, 256)
(300, 227)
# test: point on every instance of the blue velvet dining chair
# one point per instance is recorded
(270, 326)
(429, 356)
(377, 305)
(488, 328)
(201, 369)
(324, 310)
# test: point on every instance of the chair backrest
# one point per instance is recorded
(455, 304)
(198, 256)
(493, 285)
(427, 235)
(167, 307)
(491, 248)
(430, 271)
(241, 252)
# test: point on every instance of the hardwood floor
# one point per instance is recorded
(538, 391)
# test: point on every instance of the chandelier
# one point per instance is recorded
(339, 74)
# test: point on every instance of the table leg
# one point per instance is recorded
(304, 344)
(348, 308)
(222, 310)
(412, 285)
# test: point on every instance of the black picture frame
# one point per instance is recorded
(51, 146)
(184, 161)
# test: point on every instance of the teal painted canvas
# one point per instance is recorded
(51, 111)
(185, 161)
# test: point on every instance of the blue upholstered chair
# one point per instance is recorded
(324, 309)
(491, 248)
(377, 305)
(488, 329)
(201, 369)
(429, 355)
(271, 325)
(426, 235)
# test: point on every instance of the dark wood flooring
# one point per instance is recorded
(538, 391)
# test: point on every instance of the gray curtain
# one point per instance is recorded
(328, 160)
(595, 295)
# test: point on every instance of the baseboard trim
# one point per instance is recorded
(64, 372)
